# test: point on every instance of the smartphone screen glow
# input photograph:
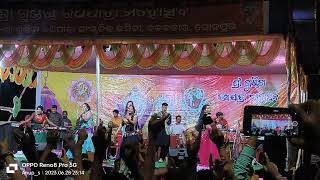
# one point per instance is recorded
(273, 125)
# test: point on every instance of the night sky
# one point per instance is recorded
(7, 91)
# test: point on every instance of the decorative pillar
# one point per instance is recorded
(98, 89)
(38, 89)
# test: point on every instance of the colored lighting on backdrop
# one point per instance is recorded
(185, 94)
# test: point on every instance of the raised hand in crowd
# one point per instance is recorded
(272, 168)
(223, 168)
(243, 164)
(148, 170)
(52, 140)
(101, 141)
(48, 157)
(26, 142)
(7, 156)
(309, 115)
(155, 124)
(76, 149)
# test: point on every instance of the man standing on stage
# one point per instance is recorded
(116, 123)
(221, 123)
(65, 120)
(179, 129)
(55, 118)
(163, 138)
(116, 120)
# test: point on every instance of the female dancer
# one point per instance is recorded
(37, 121)
(38, 118)
(130, 119)
(208, 149)
(86, 122)
(129, 149)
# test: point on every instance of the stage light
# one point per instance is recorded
(194, 45)
(16, 45)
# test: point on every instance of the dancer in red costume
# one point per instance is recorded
(38, 118)
(207, 147)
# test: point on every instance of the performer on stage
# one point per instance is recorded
(65, 120)
(130, 139)
(221, 123)
(129, 121)
(55, 117)
(163, 138)
(116, 123)
(48, 112)
(179, 129)
(116, 120)
(86, 122)
(207, 147)
(38, 118)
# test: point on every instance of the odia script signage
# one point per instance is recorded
(246, 18)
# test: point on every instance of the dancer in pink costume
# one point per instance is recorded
(207, 146)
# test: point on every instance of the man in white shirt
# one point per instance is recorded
(179, 129)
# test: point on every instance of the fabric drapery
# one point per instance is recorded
(180, 56)
(297, 90)
(183, 57)
(21, 76)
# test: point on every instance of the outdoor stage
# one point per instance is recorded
(227, 73)
(187, 57)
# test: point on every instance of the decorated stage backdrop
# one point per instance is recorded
(185, 94)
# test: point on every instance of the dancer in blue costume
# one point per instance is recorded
(86, 122)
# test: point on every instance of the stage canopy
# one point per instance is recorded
(240, 57)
